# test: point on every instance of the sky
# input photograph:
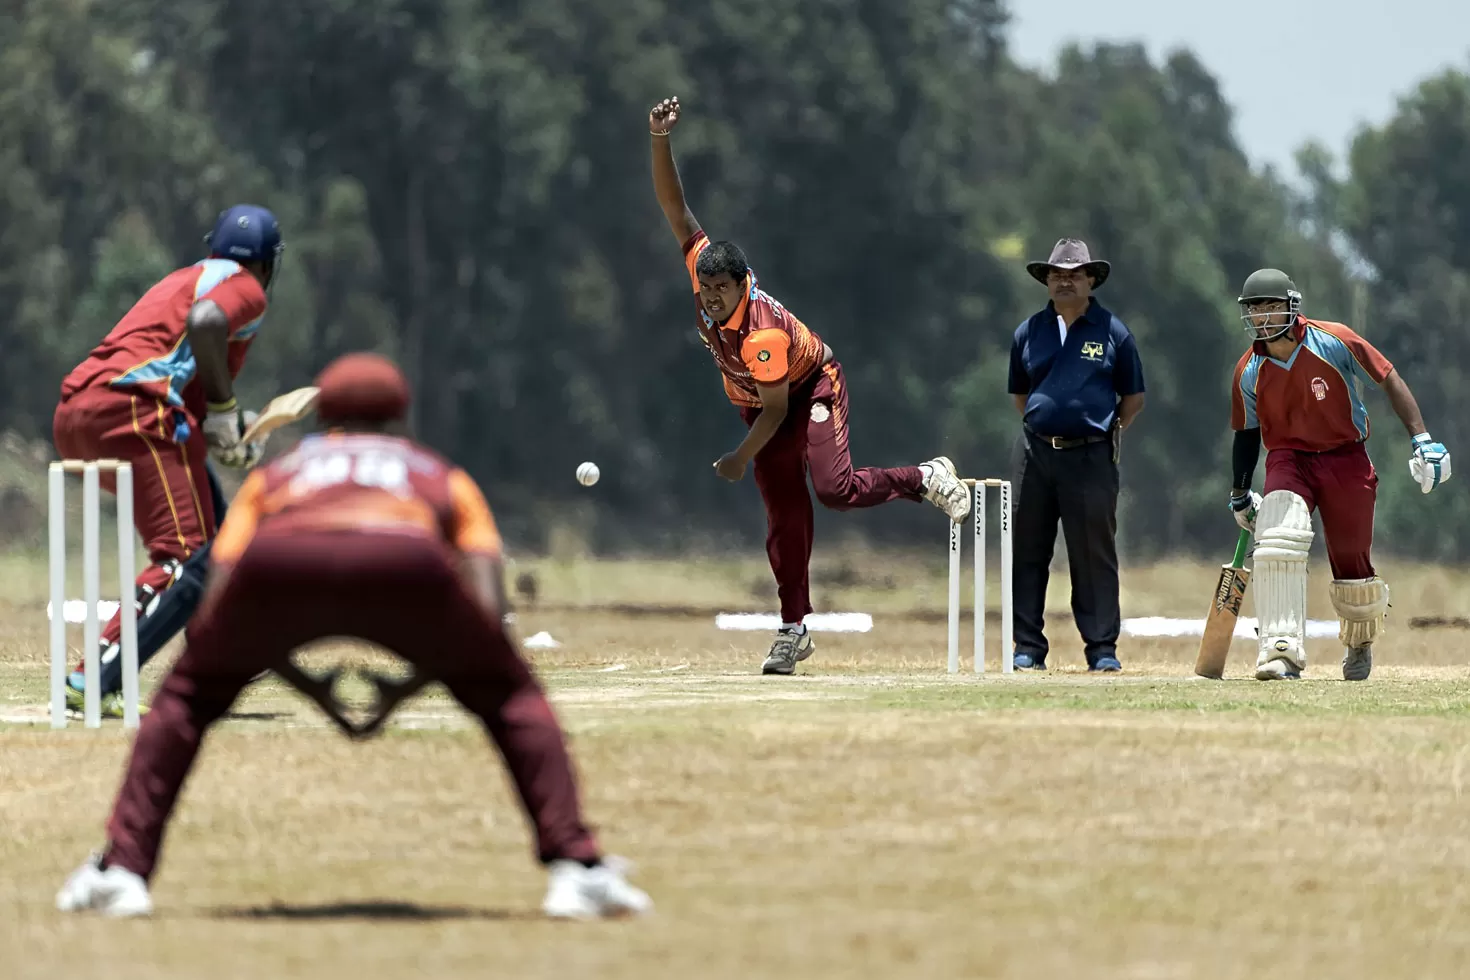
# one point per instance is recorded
(1293, 70)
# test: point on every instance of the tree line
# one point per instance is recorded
(464, 184)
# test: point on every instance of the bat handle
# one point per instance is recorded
(1242, 548)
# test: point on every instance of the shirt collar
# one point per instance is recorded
(1093, 314)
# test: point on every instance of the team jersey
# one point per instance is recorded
(761, 343)
(357, 482)
(149, 349)
(1312, 402)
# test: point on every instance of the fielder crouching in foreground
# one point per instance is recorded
(355, 533)
(1297, 391)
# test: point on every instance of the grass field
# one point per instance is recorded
(870, 817)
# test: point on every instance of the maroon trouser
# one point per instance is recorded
(814, 436)
(400, 592)
(172, 505)
(1342, 486)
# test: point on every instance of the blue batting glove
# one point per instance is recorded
(1430, 464)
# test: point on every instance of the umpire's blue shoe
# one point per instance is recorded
(1106, 665)
(1029, 661)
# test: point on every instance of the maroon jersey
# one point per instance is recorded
(761, 343)
(148, 351)
(356, 482)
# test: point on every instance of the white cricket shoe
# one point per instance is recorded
(115, 892)
(943, 489)
(789, 649)
(1283, 664)
(579, 892)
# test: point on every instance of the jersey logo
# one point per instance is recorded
(820, 413)
(764, 355)
(1092, 350)
(1319, 389)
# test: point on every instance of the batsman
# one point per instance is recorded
(158, 391)
(1298, 392)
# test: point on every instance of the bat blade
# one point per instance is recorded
(282, 410)
(1219, 632)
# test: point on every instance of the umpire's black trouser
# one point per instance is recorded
(1079, 487)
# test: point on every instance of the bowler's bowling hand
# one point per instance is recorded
(730, 467)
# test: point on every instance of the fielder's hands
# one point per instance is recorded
(1430, 464)
(223, 427)
(664, 117)
(1244, 507)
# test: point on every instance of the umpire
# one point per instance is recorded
(1078, 382)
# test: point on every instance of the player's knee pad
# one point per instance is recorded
(1283, 540)
(1361, 606)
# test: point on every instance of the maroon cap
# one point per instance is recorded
(362, 387)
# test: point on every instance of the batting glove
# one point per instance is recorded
(1244, 507)
(223, 427)
(1430, 464)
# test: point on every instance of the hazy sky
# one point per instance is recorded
(1292, 70)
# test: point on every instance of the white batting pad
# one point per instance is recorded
(1279, 582)
(1361, 605)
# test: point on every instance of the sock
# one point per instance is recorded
(797, 628)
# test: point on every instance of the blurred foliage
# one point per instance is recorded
(464, 184)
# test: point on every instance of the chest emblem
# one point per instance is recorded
(1319, 389)
(1092, 350)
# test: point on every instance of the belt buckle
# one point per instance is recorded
(1056, 442)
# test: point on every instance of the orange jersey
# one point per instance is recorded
(148, 350)
(356, 482)
(761, 343)
(1311, 402)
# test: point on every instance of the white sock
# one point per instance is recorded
(797, 628)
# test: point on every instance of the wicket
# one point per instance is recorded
(92, 586)
(1007, 635)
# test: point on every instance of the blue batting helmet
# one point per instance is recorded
(246, 233)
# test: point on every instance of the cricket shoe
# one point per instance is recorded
(1283, 666)
(944, 489)
(601, 891)
(112, 704)
(789, 649)
(1358, 663)
(114, 892)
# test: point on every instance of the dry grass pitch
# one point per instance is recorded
(870, 817)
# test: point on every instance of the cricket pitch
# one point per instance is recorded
(870, 817)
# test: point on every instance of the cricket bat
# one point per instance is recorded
(1214, 645)
(281, 410)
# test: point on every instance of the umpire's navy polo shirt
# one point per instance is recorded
(1072, 384)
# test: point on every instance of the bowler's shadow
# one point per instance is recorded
(381, 911)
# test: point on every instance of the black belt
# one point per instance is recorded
(1063, 442)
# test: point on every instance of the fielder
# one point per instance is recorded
(159, 393)
(791, 394)
(365, 534)
(1297, 390)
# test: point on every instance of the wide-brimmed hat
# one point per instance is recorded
(1071, 253)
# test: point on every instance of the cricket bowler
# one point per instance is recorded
(791, 394)
(356, 532)
(1298, 392)
(158, 391)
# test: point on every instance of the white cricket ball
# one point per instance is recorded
(587, 474)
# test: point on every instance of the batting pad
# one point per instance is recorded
(1361, 605)
(1279, 582)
